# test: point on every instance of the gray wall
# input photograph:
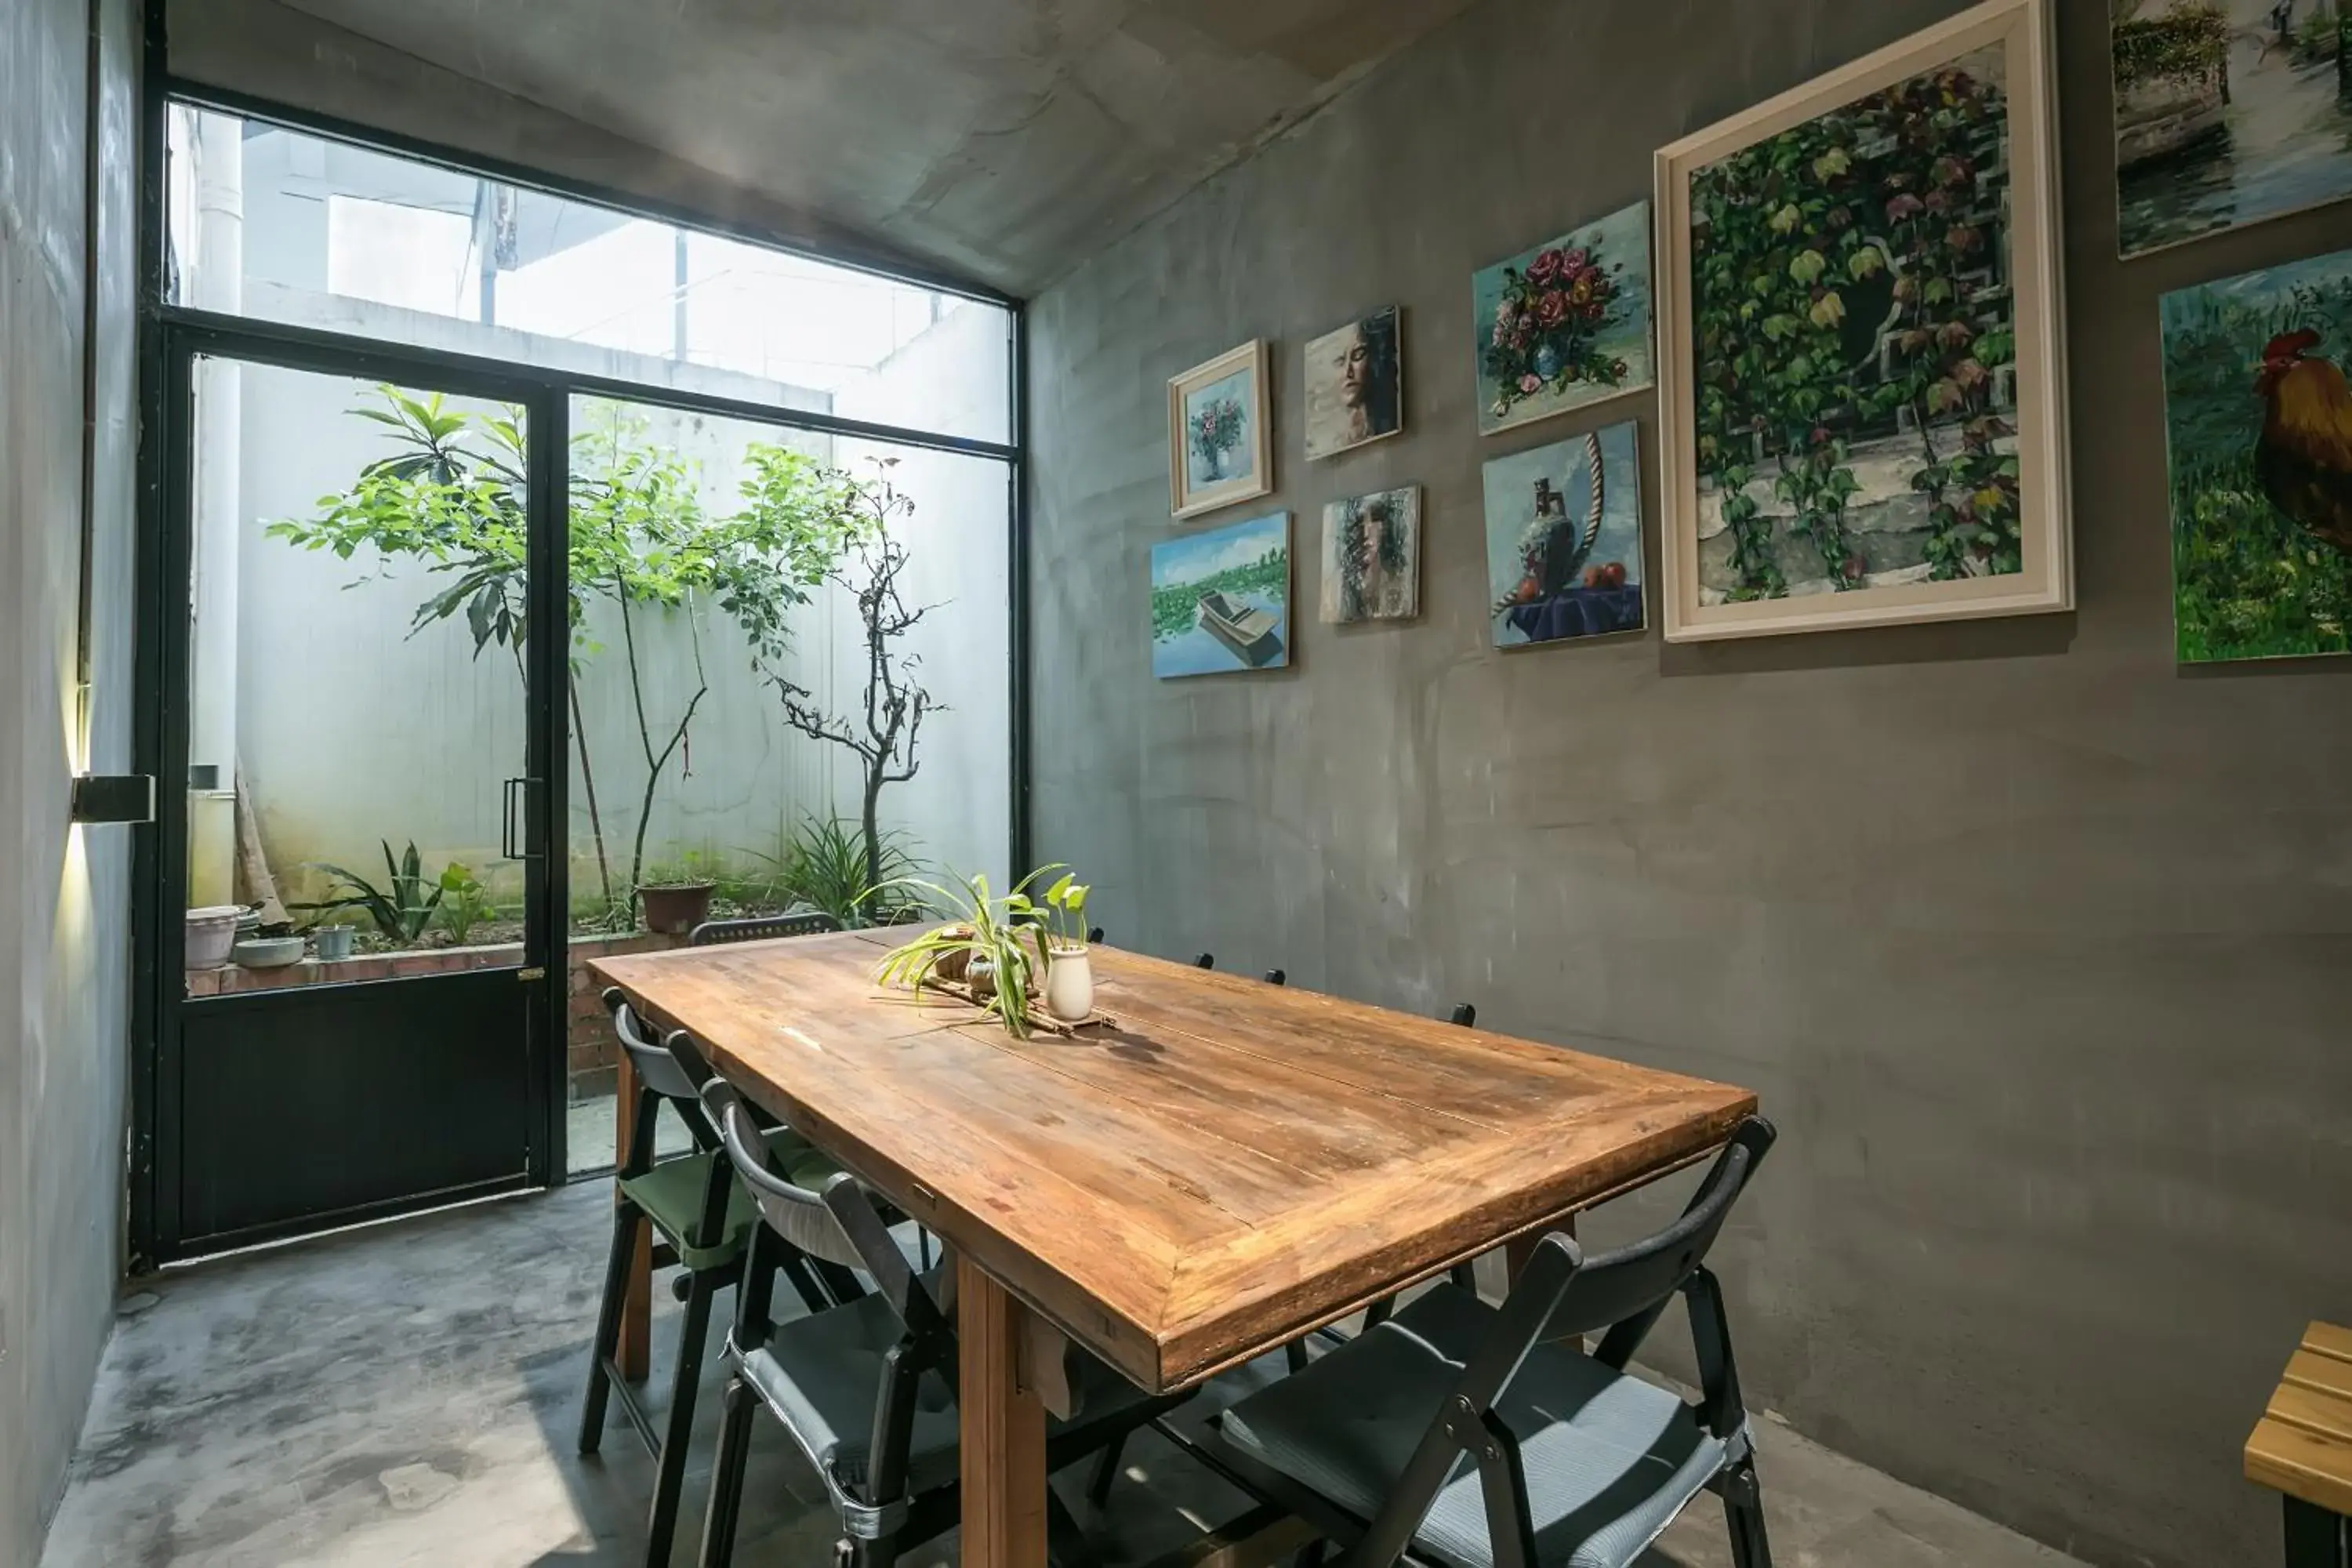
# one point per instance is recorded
(64, 893)
(278, 53)
(2035, 945)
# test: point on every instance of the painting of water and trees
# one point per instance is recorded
(1221, 599)
(2228, 112)
(2258, 421)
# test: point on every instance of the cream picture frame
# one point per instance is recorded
(1203, 475)
(2025, 395)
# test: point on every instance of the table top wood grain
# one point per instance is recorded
(1232, 1164)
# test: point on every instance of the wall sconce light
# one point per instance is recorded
(114, 797)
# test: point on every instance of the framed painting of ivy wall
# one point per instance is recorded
(1862, 394)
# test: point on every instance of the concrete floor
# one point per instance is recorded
(409, 1394)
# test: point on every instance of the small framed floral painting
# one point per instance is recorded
(1862, 383)
(1564, 324)
(1217, 448)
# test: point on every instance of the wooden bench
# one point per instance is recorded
(2302, 1448)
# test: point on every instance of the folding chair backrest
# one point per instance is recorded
(658, 1069)
(1640, 1280)
(842, 1224)
(760, 928)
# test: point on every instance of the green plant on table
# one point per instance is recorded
(464, 902)
(1065, 918)
(400, 911)
(1009, 932)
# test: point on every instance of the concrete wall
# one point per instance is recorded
(2035, 945)
(64, 892)
(280, 53)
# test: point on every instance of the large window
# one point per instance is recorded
(731, 522)
(272, 223)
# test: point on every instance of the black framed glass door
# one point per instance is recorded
(354, 1010)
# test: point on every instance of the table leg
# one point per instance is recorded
(634, 1352)
(2316, 1538)
(1003, 1429)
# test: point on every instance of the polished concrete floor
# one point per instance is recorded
(409, 1394)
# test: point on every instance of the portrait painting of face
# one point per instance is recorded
(1355, 385)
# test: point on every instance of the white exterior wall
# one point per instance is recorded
(352, 732)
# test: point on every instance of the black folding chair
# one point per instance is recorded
(760, 928)
(867, 1389)
(701, 1218)
(1476, 1436)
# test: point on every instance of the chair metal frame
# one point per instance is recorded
(1562, 1294)
(662, 1075)
(878, 1518)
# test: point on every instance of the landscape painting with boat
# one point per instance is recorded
(1221, 599)
(2228, 112)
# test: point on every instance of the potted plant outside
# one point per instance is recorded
(675, 908)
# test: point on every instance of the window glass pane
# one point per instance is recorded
(351, 728)
(721, 669)
(273, 222)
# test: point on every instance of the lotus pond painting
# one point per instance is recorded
(2227, 112)
(1565, 323)
(2258, 421)
(1564, 538)
(1221, 599)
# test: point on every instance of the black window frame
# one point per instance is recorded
(165, 329)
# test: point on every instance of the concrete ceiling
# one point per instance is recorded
(1002, 141)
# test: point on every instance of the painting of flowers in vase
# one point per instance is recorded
(1565, 324)
(1217, 448)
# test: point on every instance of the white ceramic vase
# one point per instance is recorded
(1070, 985)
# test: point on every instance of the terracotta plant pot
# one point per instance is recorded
(675, 908)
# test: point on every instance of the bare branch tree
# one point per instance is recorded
(886, 734)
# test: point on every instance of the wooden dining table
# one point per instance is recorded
(1222, 1167)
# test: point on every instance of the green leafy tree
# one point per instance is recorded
(639, 538)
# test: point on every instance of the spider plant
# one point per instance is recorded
(825, 865)
(1009, 932)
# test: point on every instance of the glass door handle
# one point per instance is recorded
(514, 824)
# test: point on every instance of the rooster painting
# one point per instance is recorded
(2305, 456)
(2258, 426)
